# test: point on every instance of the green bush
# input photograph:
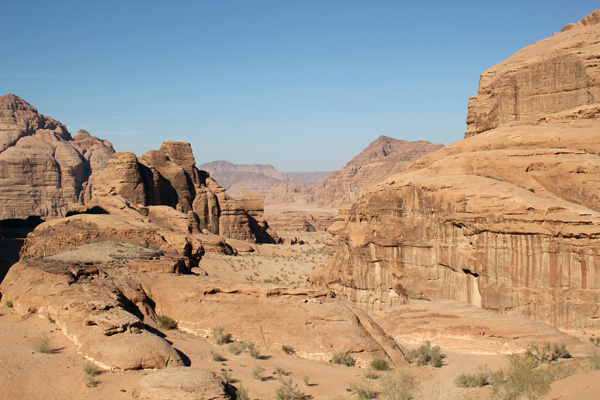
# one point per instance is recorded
(9, 304)
(279, 371)
(379, 365)
(343, 358)
(221, 337)
(288, 349)
(426, 355)
(400, 385)
(166, 322)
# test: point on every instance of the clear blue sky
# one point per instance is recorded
(304, 85)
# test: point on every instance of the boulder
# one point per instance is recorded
(183, 383)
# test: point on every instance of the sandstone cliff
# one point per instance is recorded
(42, 168)
(553, 75)
(169, 177)
(507, 219)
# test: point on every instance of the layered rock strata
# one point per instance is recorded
(507, 219)
(42, 168)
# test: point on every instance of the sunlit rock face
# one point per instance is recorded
(506, 219)
(42, 168)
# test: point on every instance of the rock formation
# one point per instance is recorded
(507, 219)
(556, 74)
(104, 278)
(169, 177)
(297, 221)
(42, 168)
(382, 158)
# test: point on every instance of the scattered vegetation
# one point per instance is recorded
(9, 304)
(288, 349)
(216, 356)
(595, 340)
(237, 348)
(221, 337)
(523, 380)
(51, 320)
(306, 380)
(547, 353)
(426, 355)
(166, 322)
(343, 358)
(363, 390)
(400, 385)
(42, 345)
(90, 370)
(532, 190)
(379, 365)
(289, 391)
(279, 371)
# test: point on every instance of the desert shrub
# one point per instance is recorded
(279, 371)
(379, 365)
(251, 348)
(216, 356)
(478, 379)
(288, 349)
(523, 380)
(166, 322)
(547, 353)
(288, 390)
(236, 348)
(425, 355)
(343, 358)
(400, 385)
(90, 371)
(42, 345)
(221, 337)
(9, 304)
(371, 374)
(594, 361)
(363, 390)
(257, 373)
(226, 375)
(241, 393)
(306, 380)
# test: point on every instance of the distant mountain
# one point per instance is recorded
(382, 158)
(255, 177)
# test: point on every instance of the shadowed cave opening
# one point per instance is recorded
(469, 272)
(12, 236)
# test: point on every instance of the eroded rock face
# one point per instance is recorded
(298, 221)
(104, 279)
(169, 177)
(553, 75)
(42, 168)
(183, 383)
(506, 220)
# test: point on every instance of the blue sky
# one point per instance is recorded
(303, 85)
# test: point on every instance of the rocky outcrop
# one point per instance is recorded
(553, 75)
(507, 220)
(184, 383)
(42, 168)
(169, 177)
(104, 278)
